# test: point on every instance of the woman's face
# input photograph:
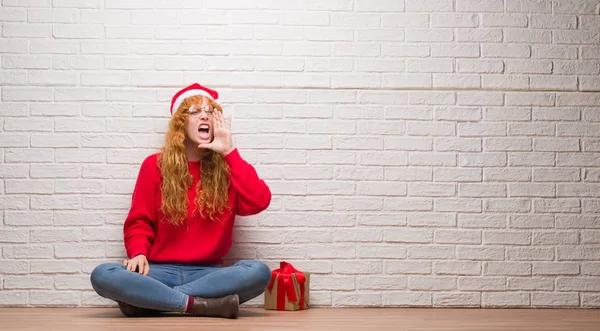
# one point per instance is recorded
(199, 125)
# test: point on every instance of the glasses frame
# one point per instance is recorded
(195, 111)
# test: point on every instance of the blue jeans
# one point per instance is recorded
(168, 286)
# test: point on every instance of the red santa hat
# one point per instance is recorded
(190, 91)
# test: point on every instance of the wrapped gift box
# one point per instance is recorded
(288, 290)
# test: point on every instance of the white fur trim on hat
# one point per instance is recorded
(188, 94)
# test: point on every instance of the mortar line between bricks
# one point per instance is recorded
(365, 89)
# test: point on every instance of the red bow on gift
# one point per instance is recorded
(285, 284)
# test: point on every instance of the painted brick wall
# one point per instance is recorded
(420, 152)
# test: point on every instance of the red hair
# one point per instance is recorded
(211, 190)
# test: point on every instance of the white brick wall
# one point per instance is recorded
(420, 152)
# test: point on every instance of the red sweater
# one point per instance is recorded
(198, 241)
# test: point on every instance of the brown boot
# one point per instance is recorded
(217, 307)
(133, 311)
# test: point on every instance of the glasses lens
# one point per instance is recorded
(197, 110)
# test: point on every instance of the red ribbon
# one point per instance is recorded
(285, 284)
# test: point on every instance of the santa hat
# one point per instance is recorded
(190, 91)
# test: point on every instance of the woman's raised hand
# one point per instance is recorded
(222, 142)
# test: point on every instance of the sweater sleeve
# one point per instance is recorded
(253, 194)
(138, 228)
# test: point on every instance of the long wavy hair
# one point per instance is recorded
(211, 190)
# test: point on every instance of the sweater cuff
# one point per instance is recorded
(137, 247)
(233, 157)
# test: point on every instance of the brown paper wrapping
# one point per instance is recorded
(271, 296)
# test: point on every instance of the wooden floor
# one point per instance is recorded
(330, 319)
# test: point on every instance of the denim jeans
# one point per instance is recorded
(167, 286)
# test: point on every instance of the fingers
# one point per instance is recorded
(214, 121)
(229, 123)
(217, 120)
(141, 264)
(130, 265)
(220, 119)
(146, 268)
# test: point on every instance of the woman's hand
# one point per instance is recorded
(222, 142)
(138, 262)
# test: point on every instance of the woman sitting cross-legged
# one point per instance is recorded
(181, 220)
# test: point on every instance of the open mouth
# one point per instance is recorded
(204, 131)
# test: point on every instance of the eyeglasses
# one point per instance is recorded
(196, 110)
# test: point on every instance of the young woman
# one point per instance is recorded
(181, 220)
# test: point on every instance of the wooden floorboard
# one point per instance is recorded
(330, 319)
